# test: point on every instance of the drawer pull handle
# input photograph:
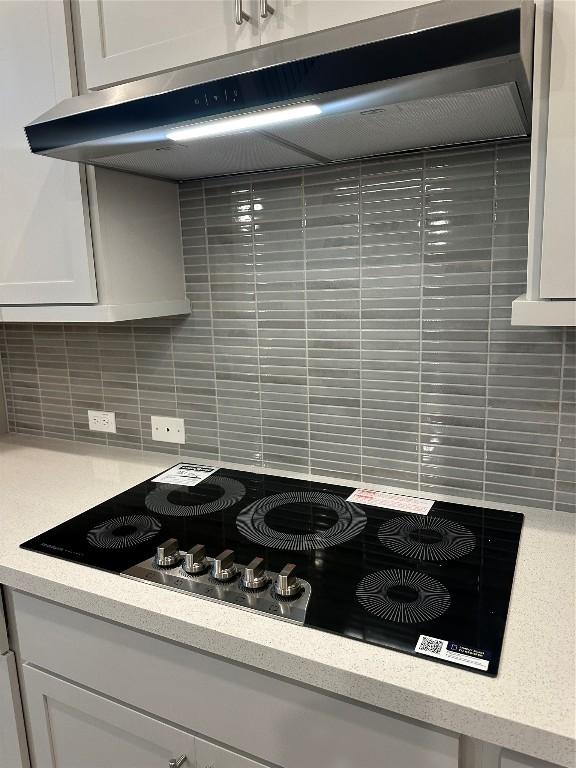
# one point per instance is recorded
(240, 15)
(177, 762)
(266, 9)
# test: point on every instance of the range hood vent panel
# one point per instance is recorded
(218, 156)
(449, 72)
(473, 116)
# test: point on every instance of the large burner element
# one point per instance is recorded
(349, 523)
(124, 531)
(426, 538)
(230, 491)
(405, 597)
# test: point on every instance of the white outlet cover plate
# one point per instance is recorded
(167, 430)
(102, 421)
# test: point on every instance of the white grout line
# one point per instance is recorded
(560, 397)
(258, 362)
(35, 356)
(421, 321)
(205, 215)
(489, 336)
(360, 302)
(307, 357)
(69, 381)
(133, 338)
(6, 377)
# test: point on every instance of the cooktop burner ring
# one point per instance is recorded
(157, 499)
(403, 596)
(351, 521)
(106, 536)
(426, 538)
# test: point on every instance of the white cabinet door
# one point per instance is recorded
(127, 39)
(300, 17)
(558, 268)
(211, 756)
(70, 727)
(45, 245)
(13, 749)
(514, 760)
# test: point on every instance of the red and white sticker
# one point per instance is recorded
(392, 501)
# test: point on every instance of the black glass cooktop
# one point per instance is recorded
(435, 585)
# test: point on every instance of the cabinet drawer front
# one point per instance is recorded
(71, 727)
(296, 726)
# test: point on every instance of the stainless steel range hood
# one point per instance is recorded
(444, 73)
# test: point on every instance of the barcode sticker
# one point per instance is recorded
(185, 474)
(391, 501)
(454, 652)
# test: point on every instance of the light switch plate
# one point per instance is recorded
(167, 430)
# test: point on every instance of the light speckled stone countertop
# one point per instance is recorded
(529, 707)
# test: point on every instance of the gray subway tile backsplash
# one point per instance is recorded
(351, 321)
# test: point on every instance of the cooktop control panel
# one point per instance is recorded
(282, 595)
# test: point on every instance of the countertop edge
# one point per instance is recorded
(434, 711)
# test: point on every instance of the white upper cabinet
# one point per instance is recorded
(558, 267)
(75, 245)
(45, 245)
(550, 297)
(126, 39)
(300, 17)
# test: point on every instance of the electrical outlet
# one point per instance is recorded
(167, 430)
(102, 421)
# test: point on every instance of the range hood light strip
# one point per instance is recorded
(252, 121)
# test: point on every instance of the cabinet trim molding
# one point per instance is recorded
(551, 312)
(98, 313)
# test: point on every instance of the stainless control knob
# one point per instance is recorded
(195, 560)
(223, 568)
(254, 576)
(286, 584)
(168, 554)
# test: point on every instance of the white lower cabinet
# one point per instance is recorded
(515, 760)
(13, 748)
(70, 727)
(259, 719)
(211, 756)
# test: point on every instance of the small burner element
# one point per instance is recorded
(158, 499)
(122, 532)
(350, 521)
(426, 538)
(405, 597)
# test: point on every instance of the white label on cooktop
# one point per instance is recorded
(454, 652)
(391, 501)
(185, 474)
